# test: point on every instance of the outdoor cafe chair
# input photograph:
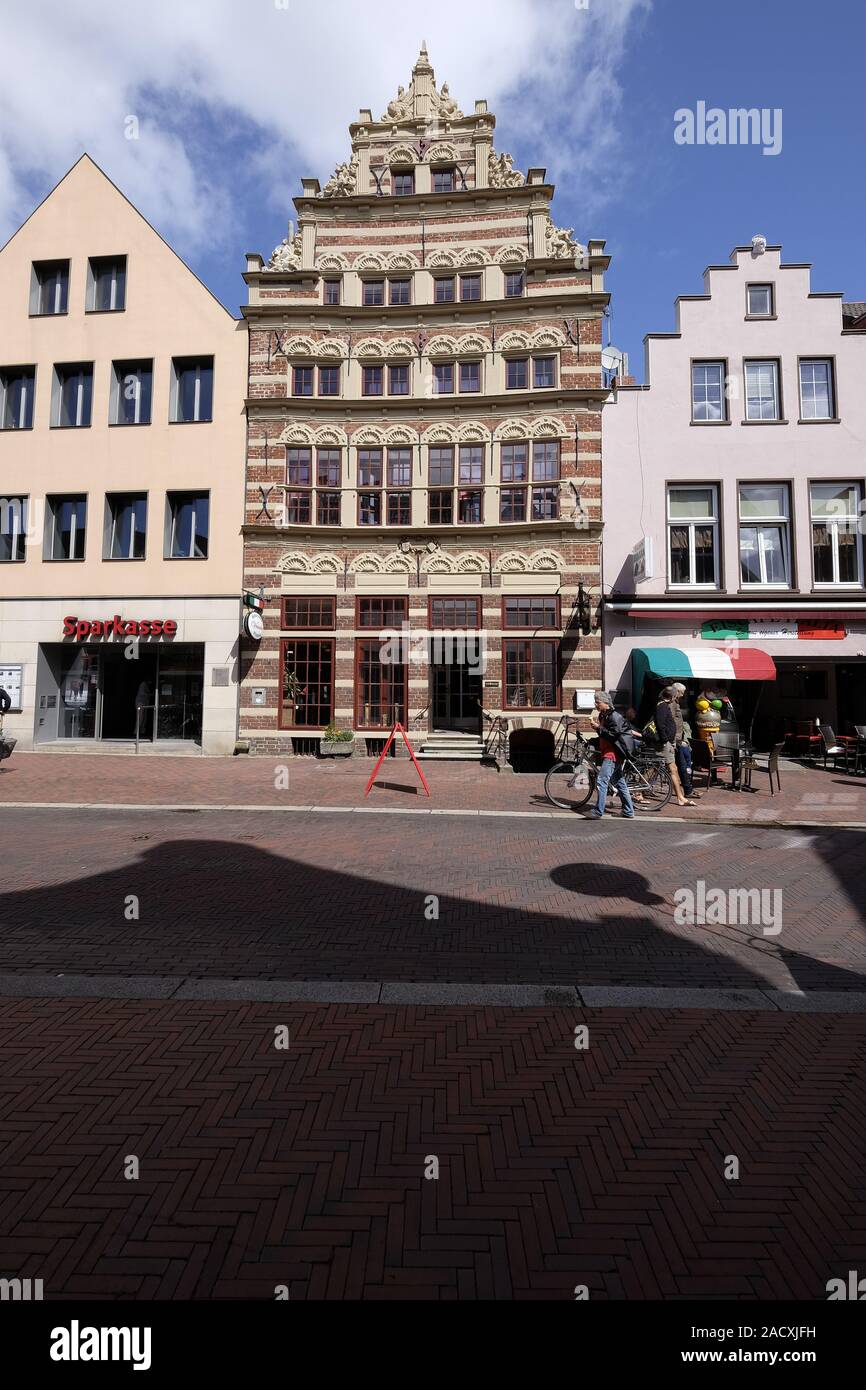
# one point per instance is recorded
(764, 762)
(837, 748)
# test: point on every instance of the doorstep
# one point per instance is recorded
(165, 748)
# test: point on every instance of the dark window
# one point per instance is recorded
(469, 508)
(382, 612)
(371, 382)
(192, 389)
(66, 528)
(470, 376)
(532, 612)
(299, 467)
(516, 373)
(443, 378)
(441, 508)
(13, 528)
(455, 614)
(471, 463)
(398, 380)
(369, 468)
(544, 369)
(512, 504)
(328, 468)
(381, 686)
(188, 525)
(400, 291)
(399, 508)
(370, 509)
(328, 508)
(299, 508)
(17, 392)
(302, 381)
(316, 613)
(402, 184)
(441, 466)
(131, 393)
(374, 293)
(514, 283)
(332, 290)
(329, 381)
(308, 683)
(470, 288)
(399, 467)
(531, 674)
(545, 503)
(73, 395)
(515, 463)
(444, 290)
(125, 526)
(49, 288)
(106, 284)
(443, 180)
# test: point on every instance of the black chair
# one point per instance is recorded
(701, 761)
(764, 762)
(728, 752)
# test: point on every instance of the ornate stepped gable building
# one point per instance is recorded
(424, 412)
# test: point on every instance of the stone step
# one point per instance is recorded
(450, 755)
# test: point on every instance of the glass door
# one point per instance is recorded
(79, 694)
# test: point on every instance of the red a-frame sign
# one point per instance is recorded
(397, 729)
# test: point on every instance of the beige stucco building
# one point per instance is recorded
(122, 435)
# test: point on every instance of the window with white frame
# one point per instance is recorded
(708, 391)
(816, 389)
(72, 395)
(191, 390)
(693, 536)
(125, 526)
(759, 299)
(17, 391)
(131, 392)
(49, 287)
(837, 549)
(13, 529)
(65, 528)
(765, 543)
(187, 525)
(762, 391)
(106, 284)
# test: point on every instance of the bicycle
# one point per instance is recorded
(571, 783)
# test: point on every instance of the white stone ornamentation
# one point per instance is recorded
(561, 245)
(288, 255)
(344, 180)
(501, 172)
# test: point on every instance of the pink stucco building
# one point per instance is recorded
(734, 500)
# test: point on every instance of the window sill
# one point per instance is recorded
(840, 590)
(768, 589)
(121, 310)
(209, 421)
(70, 427)
(764, 422)
(123, 559)
(760, 318)
(830, 420)
(62, 560)
(15, 429)
(704, 424)
(186, 559)
(62, 314)
(128, 424)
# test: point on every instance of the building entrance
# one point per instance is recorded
(457, 697)
(103, 695)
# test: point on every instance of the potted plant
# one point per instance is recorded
(337, 743)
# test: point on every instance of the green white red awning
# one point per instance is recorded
(705, 663)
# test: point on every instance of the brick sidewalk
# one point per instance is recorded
(809, 795)
(304, 1167)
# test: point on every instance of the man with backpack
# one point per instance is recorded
(614, 737)
(669, 735)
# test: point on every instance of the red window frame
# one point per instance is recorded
(439, 500)
(299, 462)
(399, 177)
(460, 622)
(403, 379)
(373, 294)
(314, 613)
(400, 467)
(445, 297)
(328, 508)
(393, 684)
(475, 368)
(548, 359)
(476, 283)
(522, 649)
(332, 292)
(398, 509)
(444, 180)
(443, 372)
(305, 643)
(512, 499)
(329, 467)
(299, 508)
(381, 611)
(470, 498)
(405, 290)
(512, 364)
(534, 606)
(470, 465)
(512, 278)
(331, 373)
(301, 377)
(371, 374)
(445, 450)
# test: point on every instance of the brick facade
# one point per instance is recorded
(425, 439)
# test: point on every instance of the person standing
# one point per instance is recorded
(682, 747)
(613, 731)
(667, 731)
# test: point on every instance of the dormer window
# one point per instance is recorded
(402, 182)
(443, 180)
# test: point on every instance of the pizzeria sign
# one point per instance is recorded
(746, 629)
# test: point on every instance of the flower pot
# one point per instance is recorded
(336, 749)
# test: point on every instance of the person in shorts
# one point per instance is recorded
(666, 725)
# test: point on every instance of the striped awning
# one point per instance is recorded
(739, 663)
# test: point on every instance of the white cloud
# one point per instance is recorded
(275, 83)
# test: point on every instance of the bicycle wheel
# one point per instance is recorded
(650, 786)
(570, 785)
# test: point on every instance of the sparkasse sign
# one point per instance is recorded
(83, 629)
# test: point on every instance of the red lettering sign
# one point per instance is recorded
(83, 628)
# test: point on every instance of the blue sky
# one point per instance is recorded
(237, 99)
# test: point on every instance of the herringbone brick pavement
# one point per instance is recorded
(305, 1167)
(330, 897)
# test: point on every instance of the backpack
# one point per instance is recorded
(651, 733)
